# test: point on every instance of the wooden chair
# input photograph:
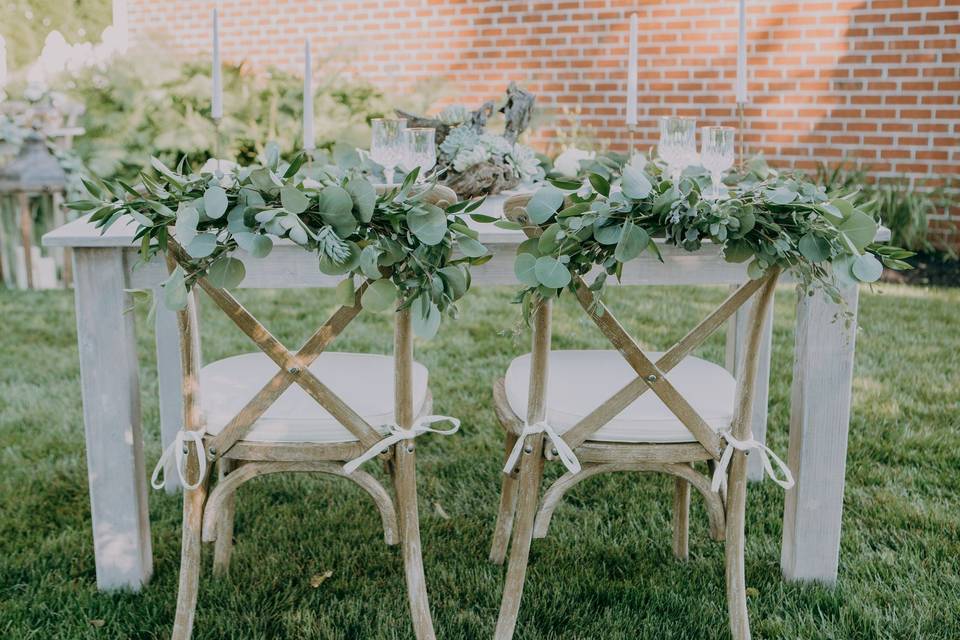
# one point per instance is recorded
(310, 411)
(558, 404)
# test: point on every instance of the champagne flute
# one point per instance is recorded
(717, 155)
(386, 145)
(419, 149)
(678, 144)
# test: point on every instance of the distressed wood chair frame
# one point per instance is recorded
(208, 510)
(523, 511)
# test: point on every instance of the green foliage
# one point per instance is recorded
(401, 245)
(901, 207)
(24, 24)
(767, 218)
(150, 104)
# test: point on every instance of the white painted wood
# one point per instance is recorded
(819, 422)
(737, 330)
(111, 415)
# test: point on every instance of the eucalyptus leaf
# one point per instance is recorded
(202, 245)
(175, 290)
(425, 324)
(813, 247)
(368, 262)
(544, 204)
(456, 280)
(380, 296)
(185, 228)
(737, 252)
(867, 268)
(364, 198)
(470, 247)
(551, 273)
(294, 200)
(345, 294)
(632, 243)
(257, 245)
(635, 183)
(215, 202)
(428, 223)
(781, 195)
(524, 267)
(548, 242)
(607, 234)
(755, 270)
(860, 228)
(226, 272)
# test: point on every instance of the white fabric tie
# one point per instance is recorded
(564, 452)
(176, 449)
(398, 433)
(750, 445)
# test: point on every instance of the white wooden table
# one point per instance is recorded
(104, 270)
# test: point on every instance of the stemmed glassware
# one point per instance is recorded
(678, 144)
(717, 155)
(386, 146)
(419, 149)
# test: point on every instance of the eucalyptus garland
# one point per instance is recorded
(766, 218)
(402, 245)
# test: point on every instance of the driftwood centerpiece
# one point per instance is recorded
(475, 162)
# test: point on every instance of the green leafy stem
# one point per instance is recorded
(414, 253)
(766, 218)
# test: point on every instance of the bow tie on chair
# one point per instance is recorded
(748, 445)
(398, 433)
(564, 452)
(178, 449)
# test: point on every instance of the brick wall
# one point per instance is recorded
(873, 80)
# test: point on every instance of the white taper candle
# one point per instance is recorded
(309, 142)
(632, 74)
(742, 56)
(216, 109)
(3, 64)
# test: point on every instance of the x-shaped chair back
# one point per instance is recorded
(293, 368)
(651, 375)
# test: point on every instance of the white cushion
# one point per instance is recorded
(363, 381)
(580, 381)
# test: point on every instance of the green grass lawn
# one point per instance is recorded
(606, 571)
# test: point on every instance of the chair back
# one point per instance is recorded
(292, 367)
(651, 375)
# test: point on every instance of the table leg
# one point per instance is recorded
(736, 342)
(110, 389)
(819, 422)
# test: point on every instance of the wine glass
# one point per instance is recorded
(716, 155)
(678, 144)
(419, 149)
(386, 145)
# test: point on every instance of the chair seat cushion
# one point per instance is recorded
(580, 381)
(363, 381)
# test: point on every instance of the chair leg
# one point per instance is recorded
(531, 473)
(190, 548)
(405, 481)
(736, 583)
(681, 519)
(223, 547)
(508, 505)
